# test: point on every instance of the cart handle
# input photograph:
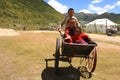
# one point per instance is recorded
(62, 35)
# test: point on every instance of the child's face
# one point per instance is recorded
(71, 23)
(77, 32)
(71, 13)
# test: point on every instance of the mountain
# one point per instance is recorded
(112, 16)
(85, 17)
(90, 17)
(31, 14)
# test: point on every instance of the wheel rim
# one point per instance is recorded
(92, 61)
(57, 54)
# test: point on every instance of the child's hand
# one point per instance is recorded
(68, 37)
(59, 28)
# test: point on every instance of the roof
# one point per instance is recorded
(102, 21)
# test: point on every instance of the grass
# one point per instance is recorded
(22, 58)
(31, 14)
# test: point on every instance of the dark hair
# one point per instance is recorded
(70, 9)
(79, 28)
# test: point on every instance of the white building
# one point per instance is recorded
(100, 25)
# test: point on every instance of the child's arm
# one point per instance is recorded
(67, 36)
(78, 24)
(67, 31)
(64, 21)
(88, 40)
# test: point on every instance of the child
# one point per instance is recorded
(69, 30)
(80, 37)
(70, 15)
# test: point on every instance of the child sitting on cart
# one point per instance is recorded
(69, 30)
(74, 34)
(79, 37)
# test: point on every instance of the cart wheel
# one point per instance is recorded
(57, 55)
(92, 61)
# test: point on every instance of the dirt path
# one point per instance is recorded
(8, 32)
(105, 38)
(97, 37)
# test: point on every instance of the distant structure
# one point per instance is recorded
(101, 25)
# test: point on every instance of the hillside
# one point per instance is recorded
(31, 14)
(112, 16)
(85, 17)
(90, 17)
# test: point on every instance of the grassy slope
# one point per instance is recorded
(22, 58)
(90, 17)
(31, 13)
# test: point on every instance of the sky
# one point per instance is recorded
(86, 6)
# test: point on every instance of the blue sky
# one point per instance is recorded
(87, 6)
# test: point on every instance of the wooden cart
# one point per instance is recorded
(85, 51)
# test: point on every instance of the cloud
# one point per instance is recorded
(92, 8)
(85, 11)
(96, 1)
(118, 3)
(97, 9)
(108, 7)
(100, 10)
(58, 6)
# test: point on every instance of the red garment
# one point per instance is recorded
(68, 32)
(80, 38)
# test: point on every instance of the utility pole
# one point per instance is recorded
(95, 27)
(106, 25)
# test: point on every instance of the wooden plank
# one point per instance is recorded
(77, 49)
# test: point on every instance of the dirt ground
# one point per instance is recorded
(8, 32)
(22, 57)
(105, 38)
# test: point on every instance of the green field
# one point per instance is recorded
(22, 58)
